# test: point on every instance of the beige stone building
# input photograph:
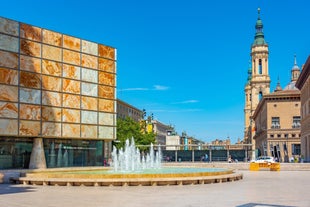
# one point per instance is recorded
(303, 83)
(126, 110)
(277, 122)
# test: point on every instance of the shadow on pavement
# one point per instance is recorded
(9, 189)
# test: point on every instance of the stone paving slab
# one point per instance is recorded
(257, 189)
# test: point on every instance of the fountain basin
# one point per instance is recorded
(154, 177)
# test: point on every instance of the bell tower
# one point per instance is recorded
(258, 83)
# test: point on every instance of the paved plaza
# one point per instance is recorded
(261, 188)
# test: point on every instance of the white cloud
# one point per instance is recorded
(186, 102)
(160, 88)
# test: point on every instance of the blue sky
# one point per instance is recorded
(184, 61)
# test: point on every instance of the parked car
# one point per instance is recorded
(265, 159)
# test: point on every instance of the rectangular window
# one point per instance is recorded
(275, 122)
(296, 149)
(260, 67)
(296, 122)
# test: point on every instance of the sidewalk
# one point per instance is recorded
(262, 188)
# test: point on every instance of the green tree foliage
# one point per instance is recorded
(128, 128)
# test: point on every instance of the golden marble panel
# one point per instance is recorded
(8, 59)
(29, 128)
(30, 64)
(71, 130)
(106, 92)
(106, 78)
(89, 75)
(89, 117)
(106, 105)
(71, 115)
(51, 68)
(71, 43)
(29, 112)
(89, 103)
(106, 118)
(30, 80)
(52, 38)
(71, 101)
(89, 47)
(31, 96)
(50, 129)
(52, 53)
(8, 93)
(71, 86)
(8, 110)
(89, 89)
(106, 132)
(8, 26)
(9, 43)
(30, 48)
(88, 131)
(71, 71)
(30, 32)
(106, 51)
(51, 113)
(51, 83)
(89, 61)
(71, 57)
(8, 76)
(8, 127)
(51, 98)
(106, 65)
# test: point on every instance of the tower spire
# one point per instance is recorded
(259, 35)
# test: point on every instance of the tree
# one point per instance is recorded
(128, 128)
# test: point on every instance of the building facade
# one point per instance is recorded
(303, 83)
(258, 83)
(126, 110)
(57, 98)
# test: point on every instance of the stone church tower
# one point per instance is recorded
(258, 83)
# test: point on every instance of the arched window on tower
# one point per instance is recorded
(260, 96)
(260, 67)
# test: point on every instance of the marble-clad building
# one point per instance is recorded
(57, 90)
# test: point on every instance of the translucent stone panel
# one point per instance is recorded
(88, 131)
(8, 127)
(51, 113)
(71, 115)
(30, 64)
(8, 26)
(106, 105)
(30, 32)
(71, 101)
(51, 98)
(30, 48)
(30, 80)
(51, 129)
(71, 57)
(70, 130)
(8, 59)
(89, 47)
(106, 65)
(29, 128)
(31, 96)
(8, 43)
(106, 118)
(8, 76)
(71, 86)
(106, 92)
(30, 112)
(51, 68)
(89, 61)
(106, 78)
(89, 103)
(8, 110)
(106, 52)
(89, 89)
(89, 117)
(8, 93)
(52, 38)
(51, 83)
(71, 71)
(52, 53)
(71, 43)
(106, 132)
(89, 75)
